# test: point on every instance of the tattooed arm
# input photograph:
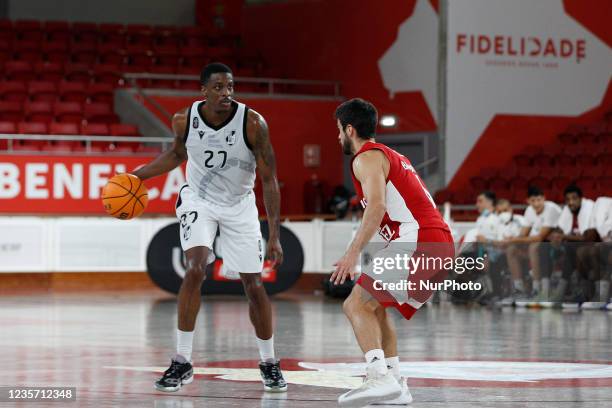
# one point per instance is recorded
(259, 139)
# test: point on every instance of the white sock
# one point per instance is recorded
(376, 360)
(266, 349)
(184, 344)
(518, 285)
(536, 285)
(393, 366)
(546, 286)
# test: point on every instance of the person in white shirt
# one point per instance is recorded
(487, 222)
(597, 258)
(539, 219)
(569, 235)
(508, 225)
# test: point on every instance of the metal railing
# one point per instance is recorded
(270, 83)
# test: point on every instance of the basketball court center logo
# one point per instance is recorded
(454, 373)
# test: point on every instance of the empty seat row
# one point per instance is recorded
(57, 128)
(67, 112)
(80, 147)
(50, 91)
(87, 32)
(114, 54)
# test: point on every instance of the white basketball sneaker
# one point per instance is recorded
(375, 388)
(404, 399)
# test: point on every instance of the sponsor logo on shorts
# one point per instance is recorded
(196, 123)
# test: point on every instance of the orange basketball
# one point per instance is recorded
(125, 196)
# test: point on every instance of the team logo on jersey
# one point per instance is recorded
(201, 133)
(196, 123)
(230, 137)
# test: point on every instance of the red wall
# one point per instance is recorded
(292, 123)
(338, 40)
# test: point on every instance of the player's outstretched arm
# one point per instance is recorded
(369, 170)
(259, 137)
(172, 157)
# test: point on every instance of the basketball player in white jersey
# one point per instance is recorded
(223, 142)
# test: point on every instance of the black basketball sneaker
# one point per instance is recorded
(179, 373)
(272, 377)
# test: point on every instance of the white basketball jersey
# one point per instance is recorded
(220, 163)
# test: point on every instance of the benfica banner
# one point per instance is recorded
(73, 185)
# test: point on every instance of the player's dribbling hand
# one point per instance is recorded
(345, 266)
(274, 252)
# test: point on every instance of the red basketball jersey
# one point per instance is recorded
(410, 207)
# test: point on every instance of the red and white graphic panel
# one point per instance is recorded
(518, 58)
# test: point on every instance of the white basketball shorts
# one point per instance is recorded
(240, 243)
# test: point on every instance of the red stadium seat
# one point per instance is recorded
(95, 129)
(498, 183)
(194, 36)
(57, 30)
(540, 182)
(528, 172)
(194, 56)
(587, 139)
(11, 111)
(570, 172)
(58, 147)
(100, 113)
(574, 150)
(605, 184)
(68, 112)
(7, 128)
(28, 51)
(41, 111)
(122, 129)
(564, 160)
(6, 50)
(32, 128)
(56, 51)
(84, 53)
(113, 33)
(13, 91)
(77, 73)
(100, 92)
(42, 91)
(85, 32)
(28, 145)
(585, 160)
(522, 160)
(108, 74)
(139, 34)
(154, 150)
(605, 159)
(518, 183)
(29, 30)
(478, 183)
(91, 149)
(166, 55)
(489, 172)
(121, 148)
(73, 91)
(19, 71)
(49, 71)
(167, 36)
(542, 160)
(111, 54)
(532, 150)
(56, 128)
(559, 183)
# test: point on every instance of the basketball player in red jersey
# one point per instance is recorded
(398, 205)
